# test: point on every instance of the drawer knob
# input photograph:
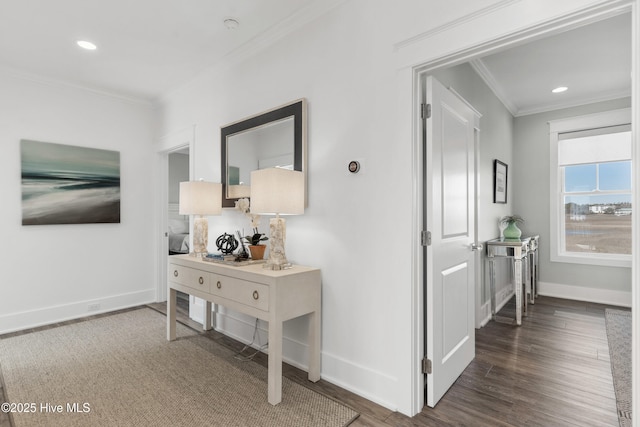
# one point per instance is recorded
(175, 273)
(256, 295)
(219, 285)
(201, 280)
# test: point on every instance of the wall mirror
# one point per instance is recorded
(274, 138)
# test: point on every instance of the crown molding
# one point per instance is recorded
(255, 45)
(61, 83)
(561, 106)
(455, 23)
(481, 69)
(596, 12)
(293, 22)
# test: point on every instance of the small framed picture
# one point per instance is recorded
(499, 181)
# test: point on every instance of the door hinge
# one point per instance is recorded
(425, 111)
(425, 238)
(426, 366)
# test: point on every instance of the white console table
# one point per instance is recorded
(273, 296)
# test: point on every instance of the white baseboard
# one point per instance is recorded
(241, 327)
(60, 313)
(368, 383)
(485, 315)
(580, 293)
(502, 298)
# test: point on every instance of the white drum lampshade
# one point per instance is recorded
(280, 192)
(200, 198)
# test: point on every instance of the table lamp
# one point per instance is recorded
(280, 192)
(200, 198)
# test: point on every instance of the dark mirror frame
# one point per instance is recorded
(297, 109)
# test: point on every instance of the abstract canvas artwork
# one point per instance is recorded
(66, 184)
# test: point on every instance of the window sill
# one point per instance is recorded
(606, 260)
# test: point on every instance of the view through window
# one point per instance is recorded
(595, 170)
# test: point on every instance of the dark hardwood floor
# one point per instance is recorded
(553, 370)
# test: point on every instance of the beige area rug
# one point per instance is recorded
(618, 323)
(120, 370)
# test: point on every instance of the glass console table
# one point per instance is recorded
(523, 253)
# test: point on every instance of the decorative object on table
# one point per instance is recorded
(226, 243)
(499, 181)
(280, 192)
(244, 206)
(234, 261)
(501, 227)
(256, 249)
(511, 231)
(66, 184)
(200, 198)
(243, 254)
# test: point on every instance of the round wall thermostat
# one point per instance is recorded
(354, 166)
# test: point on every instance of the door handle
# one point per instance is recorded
(476, 246)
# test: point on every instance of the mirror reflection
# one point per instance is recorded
(275, 138)
(263, 147)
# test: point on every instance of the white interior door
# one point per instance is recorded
(450, 218)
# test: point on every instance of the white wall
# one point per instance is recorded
(53, 272)
(354, 66)
(531, 173)
(364, 257)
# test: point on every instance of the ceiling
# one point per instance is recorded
(149, 47)
(593, 61)
(145, 47)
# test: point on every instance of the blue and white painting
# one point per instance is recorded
(66, 184)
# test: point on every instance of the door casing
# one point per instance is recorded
(548, 28)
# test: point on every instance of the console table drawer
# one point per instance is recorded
(190, 277)
(247, 293)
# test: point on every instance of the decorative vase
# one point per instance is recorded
(512, 231)
(257, 251)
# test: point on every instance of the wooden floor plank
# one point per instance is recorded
(554, 370)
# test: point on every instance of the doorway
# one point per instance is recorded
(456, 58)
(178, 225)
(174, 150)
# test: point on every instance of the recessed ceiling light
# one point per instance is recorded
(231, 23)
(86, 45)
(560, 89)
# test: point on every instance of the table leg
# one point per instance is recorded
(314, 346)
(275, 362)
(492, 286)
(537, 271)
(214, 320)
(171, 314)
(517, 270)
(526, 284)
(207, 323)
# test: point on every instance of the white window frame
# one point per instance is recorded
(556, 228)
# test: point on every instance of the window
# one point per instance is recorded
(591, 189)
